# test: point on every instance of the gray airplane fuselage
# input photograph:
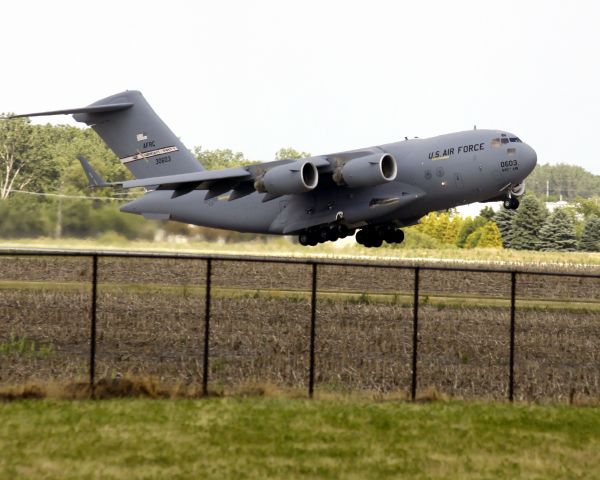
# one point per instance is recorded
(432, 174)
(370, 191)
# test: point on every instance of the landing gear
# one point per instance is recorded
(375, 236)
(511, 203)
(324, 233)
(368, 236)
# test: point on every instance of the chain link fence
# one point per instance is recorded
(221, 322)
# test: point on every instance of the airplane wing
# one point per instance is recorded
(281, 177)
(180, 184)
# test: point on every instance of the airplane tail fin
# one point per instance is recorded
(136, 134)
(141, 140)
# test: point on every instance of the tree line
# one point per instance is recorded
(532, 227)
(566, 182)
(42, 161)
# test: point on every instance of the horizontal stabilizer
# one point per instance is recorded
(114, 107)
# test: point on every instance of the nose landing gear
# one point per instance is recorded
(511, 203)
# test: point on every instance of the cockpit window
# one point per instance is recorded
(503, 140)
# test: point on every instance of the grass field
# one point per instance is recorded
(280, 246)
(262, 437)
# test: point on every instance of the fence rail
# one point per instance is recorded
(315, 267)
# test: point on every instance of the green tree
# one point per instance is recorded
(285, 153)
(427, 224)
(566, 181)
(504, 221)
(487, 212)
(451, 233)
(558, 232)
(473, 239)
(490, 236)
(24, 216)
(587, 206)
(468, 227)
(442, 224)
(527, 223)
(16, 160)
(590, 238)
(220, 158)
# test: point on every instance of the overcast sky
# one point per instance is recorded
(320, 76)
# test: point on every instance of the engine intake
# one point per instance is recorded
(367, 171)
(290, 178)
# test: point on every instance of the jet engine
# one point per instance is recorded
(367, 171)
(518, 190)
(296, 177)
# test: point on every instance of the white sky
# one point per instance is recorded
(319, 76)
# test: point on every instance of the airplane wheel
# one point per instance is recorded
(398, 236)
(322, 235)
(332, 234)
(303, 238)
(511, 203)
(370, 238)
(342, 231)
(361, 237)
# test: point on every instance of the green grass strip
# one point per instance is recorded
(258, 438)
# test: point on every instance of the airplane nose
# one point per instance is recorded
(529, 159)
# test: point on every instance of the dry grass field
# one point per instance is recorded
(151, 323)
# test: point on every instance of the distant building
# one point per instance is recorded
(551, 206)
(473, 209)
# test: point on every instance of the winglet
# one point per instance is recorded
(94, 178)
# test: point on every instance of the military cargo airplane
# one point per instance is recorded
(372, 191)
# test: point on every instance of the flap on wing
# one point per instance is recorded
(175, 181)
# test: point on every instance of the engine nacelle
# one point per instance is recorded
(518, 190)
(296, 177)
(367, 171)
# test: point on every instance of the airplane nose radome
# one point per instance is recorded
(530, 158)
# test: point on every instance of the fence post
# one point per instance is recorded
(206, 327)
(313, 326)
(93, 325)
(511, 367)
(413, 386)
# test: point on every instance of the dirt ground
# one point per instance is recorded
(150, 322)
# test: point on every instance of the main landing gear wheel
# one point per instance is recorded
(511, 203)
(324, 233)
(374, 237)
